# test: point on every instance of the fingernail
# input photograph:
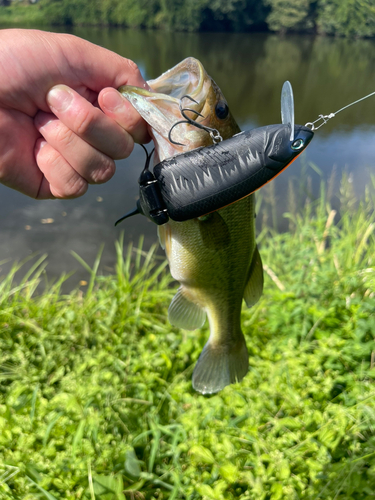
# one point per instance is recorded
(113, 101)
(59, 98)
(42, 120)
(40, 143)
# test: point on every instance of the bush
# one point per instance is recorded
(347, 17)
(290, 15)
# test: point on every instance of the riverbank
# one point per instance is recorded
(19, 15)
(343, 18)
(96, 398)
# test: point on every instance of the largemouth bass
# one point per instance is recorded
(215, 257)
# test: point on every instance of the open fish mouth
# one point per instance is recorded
(161, 107)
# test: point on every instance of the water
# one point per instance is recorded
(326, 74)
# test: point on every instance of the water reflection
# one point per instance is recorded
(82, 225)
(251, 68)
(326, 74)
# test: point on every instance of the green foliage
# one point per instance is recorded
(234, 15)
(95, 388)
(177, 15)
(19, 14)
(290, 15)
(180, 15)
(132, 13)
(347, 17)
(336, 17)
(77, 12)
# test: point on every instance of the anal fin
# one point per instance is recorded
(254, 285)
(185, 314)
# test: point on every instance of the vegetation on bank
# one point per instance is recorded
(21, 14)
(96, 399)
(353, 18)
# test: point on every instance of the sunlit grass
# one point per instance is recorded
(21, 15)
(95, 387)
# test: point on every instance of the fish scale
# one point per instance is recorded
(215, 281)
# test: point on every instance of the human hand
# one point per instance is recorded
(54, 139)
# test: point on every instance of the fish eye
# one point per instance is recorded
(298, 144)
(221, 110)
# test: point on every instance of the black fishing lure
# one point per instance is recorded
(206, 179)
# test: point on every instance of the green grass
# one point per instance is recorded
(96, 399)
(22, 15)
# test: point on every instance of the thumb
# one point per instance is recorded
(97, 67)
(104, 71)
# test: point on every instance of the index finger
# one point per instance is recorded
(120, 110)
(89, 122)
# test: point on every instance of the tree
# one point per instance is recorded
(347, 17)
(180, 15)
(234, 15)
(290, 15)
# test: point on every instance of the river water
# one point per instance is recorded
(326, 74)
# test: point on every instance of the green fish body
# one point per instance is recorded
(214, 258)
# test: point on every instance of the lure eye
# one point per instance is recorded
(221, 110)
(298, 144)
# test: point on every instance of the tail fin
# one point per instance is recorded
(220, 365)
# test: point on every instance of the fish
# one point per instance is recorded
(214, 257)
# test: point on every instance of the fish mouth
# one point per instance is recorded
(160, 108)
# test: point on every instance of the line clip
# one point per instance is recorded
(325, 118)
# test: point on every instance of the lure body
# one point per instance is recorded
(204, 180)
(197, 182)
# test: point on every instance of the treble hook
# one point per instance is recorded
(215, 134)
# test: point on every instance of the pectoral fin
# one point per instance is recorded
(185, 314)
(164, 234)
(254, 285)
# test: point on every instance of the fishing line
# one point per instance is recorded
(325, 118)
